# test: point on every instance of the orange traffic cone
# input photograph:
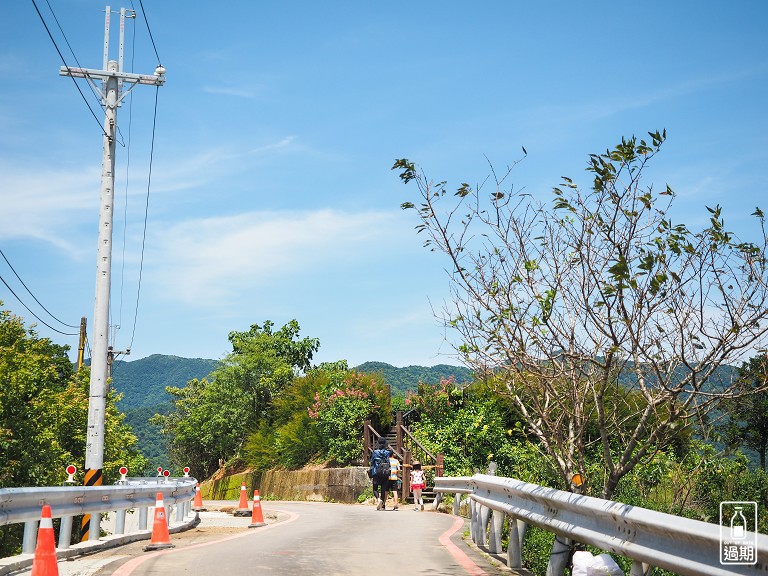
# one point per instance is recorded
(45, 563)
(160, 536)
(198, 503)
(257, 518)
(242, 508)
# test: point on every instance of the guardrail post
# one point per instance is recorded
(485, 519)
(143, 518)
(179, 512)
(30, 537)
(515, 547)
(120, 522)
(639, 569)
(473, 520)
(65, 532)
(456, 503)
(558, 559)
(494, 542)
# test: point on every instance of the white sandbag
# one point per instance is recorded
(604, 565)
(581, 562)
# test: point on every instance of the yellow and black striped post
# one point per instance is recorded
(92, 478)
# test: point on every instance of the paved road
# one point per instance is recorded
(304, 538)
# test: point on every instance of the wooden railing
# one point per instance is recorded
(407, 449)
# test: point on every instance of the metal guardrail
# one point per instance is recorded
(648, 538)
(24, 505)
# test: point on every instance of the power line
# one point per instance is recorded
(146, 212)
(68, 68)
(33, 314)
(143, 13)
(33, 296)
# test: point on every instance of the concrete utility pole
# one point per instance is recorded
(111, 95)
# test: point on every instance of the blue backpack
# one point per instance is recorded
(380, 464)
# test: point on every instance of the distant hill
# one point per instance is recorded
(143, 381)
(407, 379)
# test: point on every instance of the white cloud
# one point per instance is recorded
(239, 93)
(44, 204)
(215, 259)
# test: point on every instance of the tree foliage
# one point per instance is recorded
(748, 415)
(318, 418)
(213, 416)
(44, 417)
(340, 409)
(557, 302)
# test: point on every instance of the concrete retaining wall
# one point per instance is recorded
(324, 484)
(320, 484)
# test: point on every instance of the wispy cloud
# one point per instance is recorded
(44, 204)
(224, 91)
(213, 259)
(191, 171)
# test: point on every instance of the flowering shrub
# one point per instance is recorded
(435, 402)
(340, 411)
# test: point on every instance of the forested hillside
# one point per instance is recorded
(406, 379)
(142, 383)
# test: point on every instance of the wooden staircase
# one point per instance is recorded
(407, 449)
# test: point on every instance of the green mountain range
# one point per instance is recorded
(142, 383)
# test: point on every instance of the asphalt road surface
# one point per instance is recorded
(314, 538)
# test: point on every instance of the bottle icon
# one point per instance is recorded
(738, 525)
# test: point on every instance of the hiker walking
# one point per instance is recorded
(380, 472)
(394, 478)
(418, 483)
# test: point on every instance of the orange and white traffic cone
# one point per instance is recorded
(242, 508)
(197, 505)
(257, 518)
(45, 563)
(160, 536)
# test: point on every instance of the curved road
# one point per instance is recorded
(306, 538)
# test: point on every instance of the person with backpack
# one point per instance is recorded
(380, 472)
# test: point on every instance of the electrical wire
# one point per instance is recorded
(146, 212)
(33, 314)
(143, 13)
(71, 50)
(33, 296)
(101, 128)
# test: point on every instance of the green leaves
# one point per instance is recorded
(408, 169)
(464, 190)
(213, 417)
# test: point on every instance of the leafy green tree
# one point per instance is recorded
(44, 416)
(213, 417)
(561, 302)
(291, 439)
(748, 415)
(472, 427)
(34, 373)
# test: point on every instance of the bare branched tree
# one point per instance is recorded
(603, 321)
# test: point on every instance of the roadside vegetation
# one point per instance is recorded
(43, 417)
(603, 341)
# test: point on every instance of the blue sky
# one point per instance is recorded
(271, 193)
